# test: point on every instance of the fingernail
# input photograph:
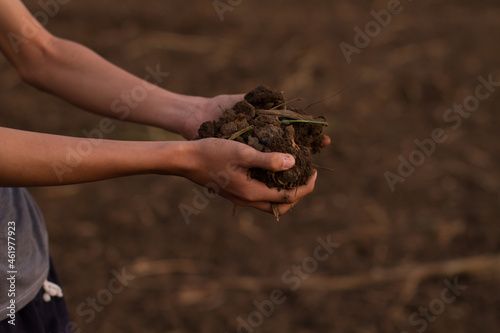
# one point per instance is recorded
(288, 161)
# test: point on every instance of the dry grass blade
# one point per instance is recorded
(292, 121)
(322, 167)
(237, 134)
(286, 114)
(337, 93)
(285, 103)
(276, 211)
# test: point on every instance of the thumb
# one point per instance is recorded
(271, 161)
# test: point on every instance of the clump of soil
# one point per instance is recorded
(264, 121)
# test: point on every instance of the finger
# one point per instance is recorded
(256, 191)
(231, 100)
(283, 208)
(265, 206)
(238, 97)
(252, 158)
(326, 141)
(300, 192)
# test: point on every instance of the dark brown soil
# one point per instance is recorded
(261, 121)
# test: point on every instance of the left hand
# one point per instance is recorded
(209, 109)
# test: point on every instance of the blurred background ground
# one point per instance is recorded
(202, 277)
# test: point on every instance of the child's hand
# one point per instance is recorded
(222, 166)
(208, 109)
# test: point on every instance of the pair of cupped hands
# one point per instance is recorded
(222, 165)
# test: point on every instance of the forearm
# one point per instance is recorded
(34, 159)
(83, 78)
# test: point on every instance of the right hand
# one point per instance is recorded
(225, 164)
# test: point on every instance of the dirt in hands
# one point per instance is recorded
(265, 121)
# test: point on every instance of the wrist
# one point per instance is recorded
(178, 112)
(178, 158)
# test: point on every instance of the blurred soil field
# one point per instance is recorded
(395, 249)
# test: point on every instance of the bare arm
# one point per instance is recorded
(83, 78)
(35, 159)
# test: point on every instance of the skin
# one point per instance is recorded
(80, 76)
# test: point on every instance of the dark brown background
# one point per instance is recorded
(202, 277)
